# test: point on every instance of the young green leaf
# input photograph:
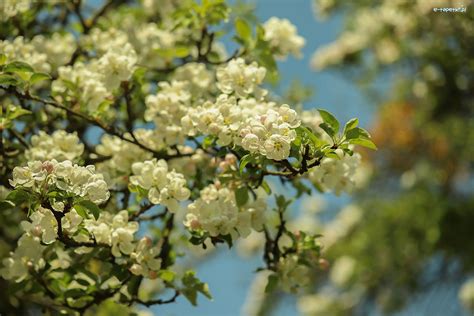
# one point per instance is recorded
(5, 205)
(329, 119)
(8, 80)
(266, 187)
(241, 195)
(16, 112)
(18, 66)
(81, 210)
(244, 161)
(352, 123)
(18, 196)
(90, 206)
(328, 129)
(243, 30)
(272, 283)
(38, 77)
(192, 286)
(167, 275)
(357, 132)
(3, 59)
(364, 142)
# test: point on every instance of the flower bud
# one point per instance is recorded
(323, 264)
(136, 269)
(47, 166)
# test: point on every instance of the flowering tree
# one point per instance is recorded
(131, 139)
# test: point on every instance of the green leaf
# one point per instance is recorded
(357, 132)
(243, 30)
(81, 210)
(352, 123)
(5, 205)
(3, 59)
(244, 161)
(74, 293)
(272, 283)
(282, 202)
(18, 66)
(8, 80)
(18, 196)
(328, 129)
(192, 286)
(241, 195)
(329, 119)
(208, 141)
(16, 112)
(91, 206)
(166, 275)
(307, 133)
(364, 142)
(266, 187)
(39, 76)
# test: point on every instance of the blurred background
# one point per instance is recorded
(402, 243)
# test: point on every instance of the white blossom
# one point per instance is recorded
(145, 255)
(28, 255)
(164, 187)
(335, 174)
(10, 8)
(66, 176)
(239, 78)
(216, 212)
(43, 225)
(293, 275)
(283, 37)
(342, 270)
(60, 146)
(466, 294)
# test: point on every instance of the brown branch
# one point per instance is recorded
(157, 301)
(108, 129)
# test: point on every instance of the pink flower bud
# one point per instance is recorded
(231, 159)
(195, 224)
(147, 240)
(36, 231)
(323, 264)
(48, 166)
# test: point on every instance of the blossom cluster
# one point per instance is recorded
(113, 230)
(42, 53)
(146, 41)
(237, 116)
(259, 127)
(283, 37)
(336, 174)
(66, 176)
(163, 186)
(10, 8)
(292, 274)
(93, 83)
(120, 155)
(216, 212)
(60, 146)
(166, 109)
(241, 78)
